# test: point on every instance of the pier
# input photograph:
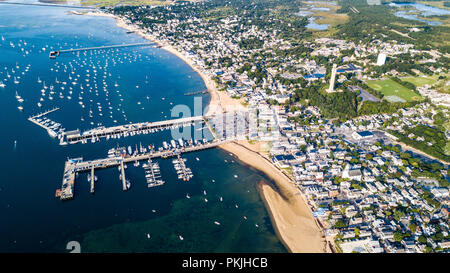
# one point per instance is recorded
(92, 179)
(127, 130)
(153, 175)
(45, 113)
(55, 53)
(76, 165)
(46, 124)
(183, 172)
(122, 176)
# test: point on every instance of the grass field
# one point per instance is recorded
(393, 91)
(422, 80)
(439, 85)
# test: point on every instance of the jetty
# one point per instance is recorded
(183, 172)
(56, 53)
(196, 93)
(92, 179)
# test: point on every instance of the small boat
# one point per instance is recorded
(245, 217)
(221, 199)
(187, 196)
(181, 237)
(217, 223)
(148, 235)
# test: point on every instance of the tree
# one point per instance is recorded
(413, 228)
(340, 224)
(398, 236)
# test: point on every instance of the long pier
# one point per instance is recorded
(55, 53)
(92, 179)
(73, 166)
(128, 130)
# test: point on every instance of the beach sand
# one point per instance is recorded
(290, 215)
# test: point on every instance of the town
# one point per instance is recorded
(344, 119)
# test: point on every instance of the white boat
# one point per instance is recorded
(148, 235)
(217, 223)
(181, 237)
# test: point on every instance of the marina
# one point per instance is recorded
(120, 159)
(102, 88)
(54, 129)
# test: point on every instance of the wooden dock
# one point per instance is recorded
(92, 179)
(122, 175)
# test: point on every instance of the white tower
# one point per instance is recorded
(333, 78)
(381, 59)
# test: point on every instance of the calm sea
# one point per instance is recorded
(115, 86)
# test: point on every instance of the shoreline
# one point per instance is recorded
(291, 217)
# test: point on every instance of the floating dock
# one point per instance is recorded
(184, 173)
(153, 175)
(50, 129)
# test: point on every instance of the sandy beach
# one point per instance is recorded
(289, 212)
(291, 216)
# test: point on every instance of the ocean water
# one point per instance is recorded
(119, 86)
